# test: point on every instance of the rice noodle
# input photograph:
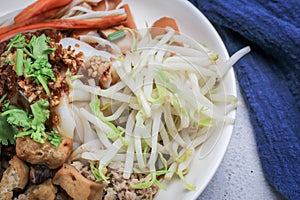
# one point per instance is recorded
(67, 125)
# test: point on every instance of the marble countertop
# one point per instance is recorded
(240, 175)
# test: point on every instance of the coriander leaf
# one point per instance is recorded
(41, 71)
(32, 42)
(7, 132)
(47, 72)
(17, 117)
(37, 65)
(40, 112)
(9, 62)
(18, 41)
(54, 138)
(28, 67)
(39, 134)
(39, 47)
(32, 124)
(43, 81)
(40, 115)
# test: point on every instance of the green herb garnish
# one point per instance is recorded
(32, 124)
(36, 65)
(18, 42)
(7, 132)
(116, 35)
(19, 62)
(3, 98)
(54, 138)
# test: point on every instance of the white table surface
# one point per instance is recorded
(240, 176)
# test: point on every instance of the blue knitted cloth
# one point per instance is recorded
(269, 78)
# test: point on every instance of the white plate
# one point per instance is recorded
(192, 23)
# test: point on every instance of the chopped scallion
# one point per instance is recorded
(2, 98)
(116, 35)
(19, 62)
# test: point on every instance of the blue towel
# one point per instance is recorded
(269, 78)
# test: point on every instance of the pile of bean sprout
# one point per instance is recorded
(159, 112)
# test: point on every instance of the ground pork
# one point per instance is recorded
(84, 170)
(120, 188)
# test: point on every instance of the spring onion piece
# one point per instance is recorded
(116, 35)
(3, 98)
(19, 62)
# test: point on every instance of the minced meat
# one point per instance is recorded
(120, 188)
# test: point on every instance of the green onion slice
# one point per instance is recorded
(116, 35)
